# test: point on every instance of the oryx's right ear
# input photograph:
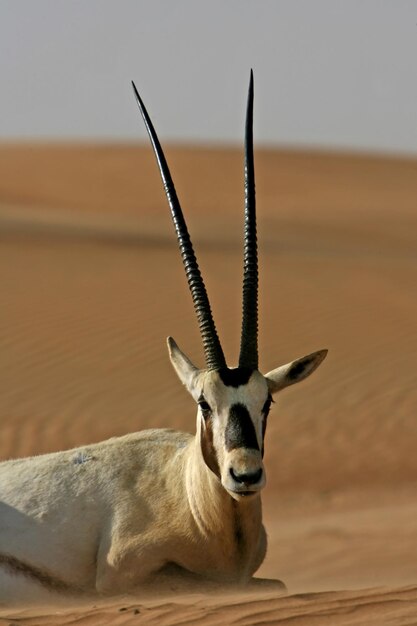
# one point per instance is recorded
(294, 372)
(186, 371)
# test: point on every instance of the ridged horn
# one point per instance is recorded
(249, 339)
(212, 349)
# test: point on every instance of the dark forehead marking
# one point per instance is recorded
(240, 431)
(235, 377)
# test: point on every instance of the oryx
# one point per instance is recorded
(114, 516)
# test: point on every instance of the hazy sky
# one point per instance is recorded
(340, 73)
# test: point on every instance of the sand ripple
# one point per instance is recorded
(91, 284)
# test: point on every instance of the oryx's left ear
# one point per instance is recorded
(186, 371)
(294, 372)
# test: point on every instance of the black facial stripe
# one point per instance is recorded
(235, 377)
(204, 406)
(264, 424)
(240, 431)
(207, 447)
(265, 412)
(267, 406)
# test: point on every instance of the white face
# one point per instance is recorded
(233, 406)
(232, 410)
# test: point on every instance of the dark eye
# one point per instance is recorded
(205, 408)
(267, 405)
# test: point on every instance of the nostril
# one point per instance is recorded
(234, 476)
(248, 479)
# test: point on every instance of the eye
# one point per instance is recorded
(267, 406)
(205, 408)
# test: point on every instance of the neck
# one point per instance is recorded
(237, 525)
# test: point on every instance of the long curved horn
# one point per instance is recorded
(249, 339)
(212, 349)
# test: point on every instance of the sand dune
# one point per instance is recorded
(92, 284)
(375, 606)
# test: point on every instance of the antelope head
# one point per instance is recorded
(233, 403)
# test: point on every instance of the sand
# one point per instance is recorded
(92, 284)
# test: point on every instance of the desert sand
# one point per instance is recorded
(91, 285)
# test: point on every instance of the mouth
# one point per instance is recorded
(244, 493)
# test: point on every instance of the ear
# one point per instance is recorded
(294, 372)
(186, 371)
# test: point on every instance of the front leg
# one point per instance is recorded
(174, 578)
(267, 584)
(124, 568)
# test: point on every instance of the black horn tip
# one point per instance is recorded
(140, 103)
(250, 101)
(142, 108)
(135, 91)
(250, 93)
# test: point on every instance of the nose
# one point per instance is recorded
(248, 479)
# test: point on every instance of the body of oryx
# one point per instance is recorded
(113, 516)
